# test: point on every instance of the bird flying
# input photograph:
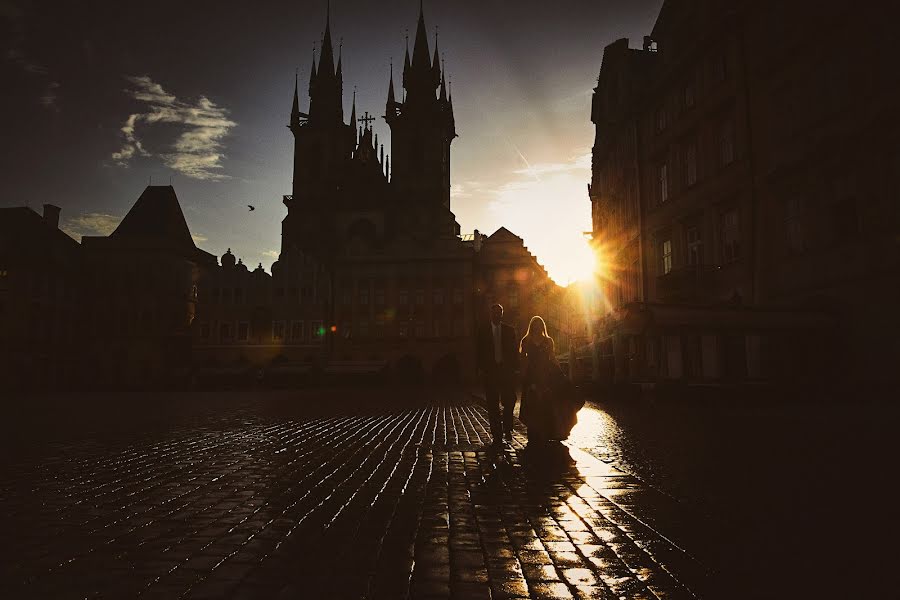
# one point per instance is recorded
(251, 207)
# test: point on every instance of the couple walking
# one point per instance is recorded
(545, 409)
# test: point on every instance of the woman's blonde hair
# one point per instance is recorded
(543, 334)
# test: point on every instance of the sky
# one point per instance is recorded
(101, 97)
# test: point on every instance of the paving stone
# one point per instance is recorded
(380, 502)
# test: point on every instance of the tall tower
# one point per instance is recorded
(422, 126)
(323, 146)
(323, 143)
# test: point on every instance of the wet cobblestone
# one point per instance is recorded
(390, 503)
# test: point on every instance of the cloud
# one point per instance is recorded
(91, 224)
(15, 54)
(199, 238)
(197, 150)
(271, 254)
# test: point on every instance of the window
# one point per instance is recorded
(279, 292)
(690, 90)
(317, 331)
(845, 220)
(364, 295)
(662, 183)
(420, 297)
(720, 67)
(225, 332)
(690, 164)
(437, 296)
(362, 328)
(403, 296)
(661, 119)
(215, 295)
(379, 326)
(238, 295)
(731, 236)
(404, 329)
(379, 296)
(514, 298)
(436, 328)
(243, 331)
(420, 328)
(297, 331)
(457, 296)
(665, 256)
(726, 144)
(459, 329)
(793, 226)
(204, 331)
(694, 245)
(346, 295)
(277, 330)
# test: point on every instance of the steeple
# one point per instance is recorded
(443, 96)
(353, 118)
(295, 107)
(435, 65)
(421, 55)
(391, 97)
(327, 58)
(326, 83)
(312, 72)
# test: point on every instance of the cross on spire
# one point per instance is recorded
(366, 120)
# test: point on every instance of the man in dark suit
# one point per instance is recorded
(498, 361)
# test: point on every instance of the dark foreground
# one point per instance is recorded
(320, 497)
(347, 495)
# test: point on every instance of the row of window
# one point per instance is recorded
(729, 229)
(403, 297)
(296, 332)
(689, 165)
(718, 69)
(281, 331)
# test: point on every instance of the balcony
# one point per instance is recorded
(687, 284)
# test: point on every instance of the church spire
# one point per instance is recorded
(327, 58)
(353, 118)
(391, 99)
(435, 64)
(443, 96)
(295, 106)
(421, 55)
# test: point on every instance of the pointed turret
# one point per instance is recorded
(391, 99)
(327, 58)
(435, 65)
(443, 96)
(353, 119)
(421, 55)
(295, 106)
(312, 72)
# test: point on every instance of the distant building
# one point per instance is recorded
(740, 195)
(142, 287)
(41, 287)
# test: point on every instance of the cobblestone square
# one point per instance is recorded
(281, 500)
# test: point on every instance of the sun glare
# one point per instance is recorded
(584, 265)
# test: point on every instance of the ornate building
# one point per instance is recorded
(372, 269)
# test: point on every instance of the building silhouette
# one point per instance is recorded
(740, 195)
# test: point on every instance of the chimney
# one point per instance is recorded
(51, 215)
(477, 240)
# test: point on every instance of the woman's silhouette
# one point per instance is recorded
(536, 350)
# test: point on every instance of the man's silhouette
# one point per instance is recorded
(498, 361)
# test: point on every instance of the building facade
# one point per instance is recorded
(712, 141)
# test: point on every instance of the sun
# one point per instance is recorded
(584, 265)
